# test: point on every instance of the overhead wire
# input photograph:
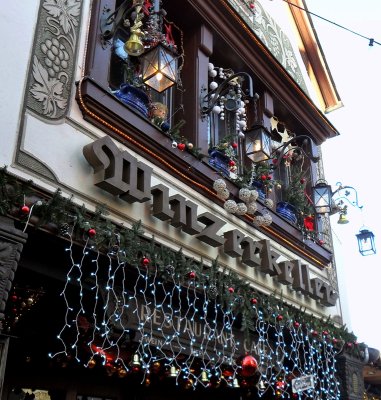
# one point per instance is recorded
(372, 41)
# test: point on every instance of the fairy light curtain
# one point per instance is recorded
(129, 313)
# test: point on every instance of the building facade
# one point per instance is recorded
(158, 234)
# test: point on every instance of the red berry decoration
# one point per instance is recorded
(91, 232)
(249, 366)
(231, 163)
(14, 298)
(349, 345)
(253, 301)
(302, 180)
(263, 177)
(25, 210)
(181, 146)
(315, 333)
(275, 161)
(325, 333)
(279, 317)
(234, 145)
(321, 241)
(269, 177)
(145, 261)
(252, 6)
(296, 324)
(231, 290)
(192, 275)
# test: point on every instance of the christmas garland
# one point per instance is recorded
(19, 200)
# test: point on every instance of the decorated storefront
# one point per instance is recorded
(158, 232)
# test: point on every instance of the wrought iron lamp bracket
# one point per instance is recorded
(209, 100)
(282, 149)
(345, 196)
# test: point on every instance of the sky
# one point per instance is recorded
(354, 157)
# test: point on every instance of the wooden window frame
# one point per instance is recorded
(100, 107)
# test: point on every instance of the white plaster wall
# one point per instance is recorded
(17, 23)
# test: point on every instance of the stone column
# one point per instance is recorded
(350, 371)
(11, 244)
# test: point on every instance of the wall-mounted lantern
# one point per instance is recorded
(152, 48)
(258, 143)
(327, 202)
(159, 68)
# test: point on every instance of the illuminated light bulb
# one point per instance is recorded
(159, 76)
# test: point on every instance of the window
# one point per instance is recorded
(207, 36)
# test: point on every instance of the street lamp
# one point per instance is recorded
(365, 239)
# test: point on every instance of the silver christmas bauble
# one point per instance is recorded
(244, 194)
(230, 206)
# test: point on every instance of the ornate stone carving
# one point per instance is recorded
(272, 36)
(53, 57)
(11, 244)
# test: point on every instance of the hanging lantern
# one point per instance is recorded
(258, 144)
(159, 68)
(365, 239)
(322, 197)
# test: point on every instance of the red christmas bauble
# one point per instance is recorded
(253, 301)
(325, 333)
(181, 146)
(14, 298)
(192, 275)
(231, 163)
(25, 210)
(296, 324)
(91, 232)
(145, 261)
(302, 180)
(249, 366)
(231, 290)
(269, 177)
(263, 177)
(234, 145)
(279, 317)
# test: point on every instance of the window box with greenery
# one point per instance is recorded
(296, 203)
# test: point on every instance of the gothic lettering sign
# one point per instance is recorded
(121, 174)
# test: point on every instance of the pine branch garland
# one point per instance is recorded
(131, 246)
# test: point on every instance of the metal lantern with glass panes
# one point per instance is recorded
(365, 239)
(258, 143)
(322, 197)
(159, 68)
